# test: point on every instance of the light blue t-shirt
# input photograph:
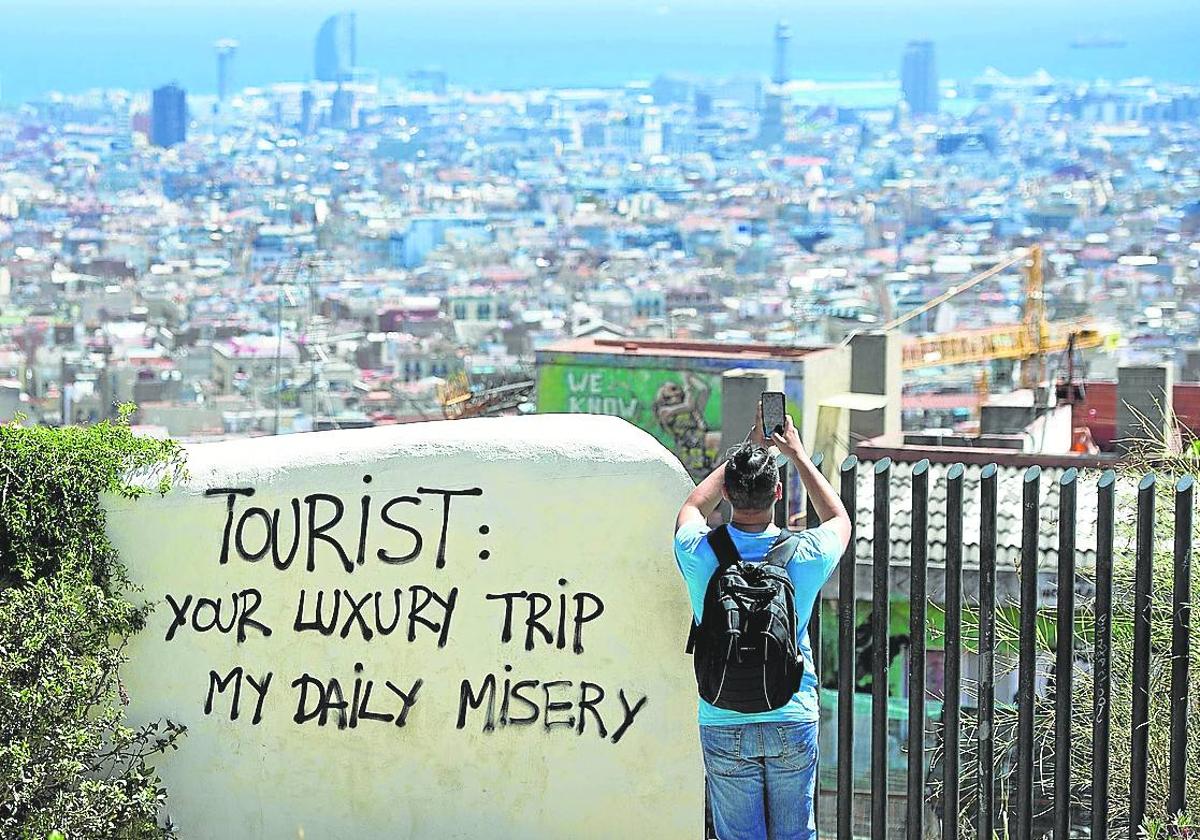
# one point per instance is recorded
(814, 561)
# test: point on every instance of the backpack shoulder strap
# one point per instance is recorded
(722, 546)
(781, 551)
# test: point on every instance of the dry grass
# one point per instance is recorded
(1169, 461)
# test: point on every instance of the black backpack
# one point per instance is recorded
(744, 649)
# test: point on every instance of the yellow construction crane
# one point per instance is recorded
(459, 400)
(1028, 342)
(454, 394)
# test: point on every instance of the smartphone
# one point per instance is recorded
(774, 409)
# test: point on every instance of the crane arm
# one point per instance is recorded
(955, 290)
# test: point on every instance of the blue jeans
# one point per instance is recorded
(761, 779)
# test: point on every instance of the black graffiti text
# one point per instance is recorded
(323, 525)
(557, 704)
(204, 614)
(547, 616)
(324, 700)
(234, 680)
(366, 615)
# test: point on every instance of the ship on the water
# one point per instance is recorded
(1098, 42)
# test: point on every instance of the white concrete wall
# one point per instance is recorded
(1051, 432)
(571, 505)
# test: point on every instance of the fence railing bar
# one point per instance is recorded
(881, 561)
(1065, 644)
(1027, 651)
(1140, 722)
(812, 520)
(846, 658)
(953, 648)
(987, 651)
(918, 568)
(1062, 679)
(1181, 622)
(1102, 655)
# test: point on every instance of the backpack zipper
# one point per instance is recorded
(766, 697)
(724, 672)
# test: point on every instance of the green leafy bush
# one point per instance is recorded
(68, 762)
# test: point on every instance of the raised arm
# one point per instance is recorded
(824, 498)
(702, 501)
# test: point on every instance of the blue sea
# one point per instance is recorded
(73, 45)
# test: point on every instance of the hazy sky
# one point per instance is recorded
(74, 44)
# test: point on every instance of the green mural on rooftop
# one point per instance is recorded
(680, 408)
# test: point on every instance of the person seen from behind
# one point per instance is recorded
(758, 708)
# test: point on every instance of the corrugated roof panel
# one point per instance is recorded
(1008, 513)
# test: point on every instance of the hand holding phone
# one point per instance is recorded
(774, 413)
(788, 441)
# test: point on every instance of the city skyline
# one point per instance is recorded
(360, 227)
(537, 45)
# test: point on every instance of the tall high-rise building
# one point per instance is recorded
(308, 107)
(336, 53)
(652, 132)
(783, 34)
(226, 49)
(122, 127)
(918, 78)
(168, 116)
(341, 110)
(429, 80)
(771, 129)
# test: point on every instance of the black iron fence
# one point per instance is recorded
(1000, 787)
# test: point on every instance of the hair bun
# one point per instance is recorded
(751, 458)
(748, 457)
